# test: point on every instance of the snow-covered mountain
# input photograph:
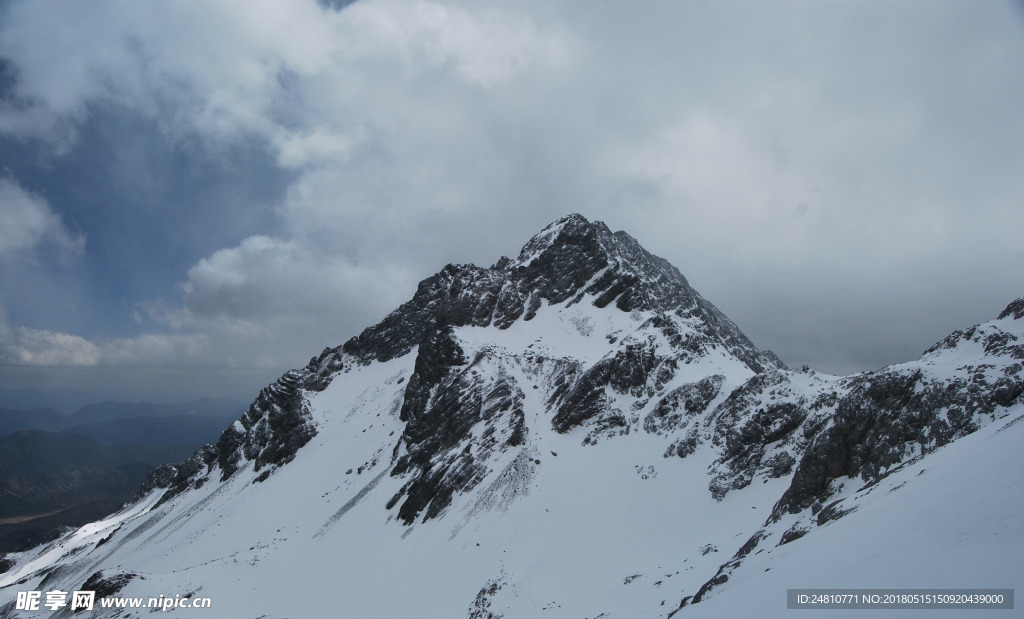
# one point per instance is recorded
(574, 433)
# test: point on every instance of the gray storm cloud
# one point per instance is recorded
(843, 181)
(27, 221)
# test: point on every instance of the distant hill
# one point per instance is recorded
(13, 420)
(108, 422)
(93, 406)
(203, 407)
(28, 497)
(61, 400)
(37, 452)
(154, 431)
(68, 469)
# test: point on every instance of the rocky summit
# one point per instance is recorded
(575, 432)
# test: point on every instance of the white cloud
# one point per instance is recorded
(24, 346)
(330, 93)
(322, 145)
(227, 69)
(265, 277)
(750, 146)
(267, 299)
(487, 47)
(27, 221)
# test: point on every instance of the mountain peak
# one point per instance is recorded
(573, 230)
(571, 261)
(581, 254)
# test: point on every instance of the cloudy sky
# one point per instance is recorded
(198, 195)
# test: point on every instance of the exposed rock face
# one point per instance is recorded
(746, 441)
(106, 585)
(890, 415)
(442, 409)
(1015, 309)
(674, 411)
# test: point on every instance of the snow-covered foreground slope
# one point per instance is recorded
(951, 520)
(574, 433)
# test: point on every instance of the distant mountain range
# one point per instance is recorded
(575, 432)
(88, 419)
(61, 470)
(67, 402)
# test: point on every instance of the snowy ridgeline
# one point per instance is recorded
(569, 434)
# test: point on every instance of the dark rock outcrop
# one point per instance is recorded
(106, 585)
(446, 400)
(1015, 309)
(682, 403)
(888, 416)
